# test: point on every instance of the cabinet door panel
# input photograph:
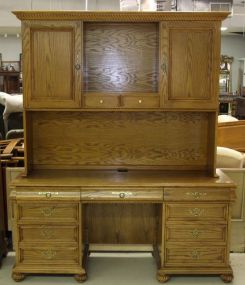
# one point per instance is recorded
(190, 66)
(53, 60)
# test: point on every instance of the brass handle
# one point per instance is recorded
(101, 101)
(48, 194)
(197, 212)
(49, 254)
(122, 195)
(195, 254)
(164, 66)
(77, 66)
(140, 101)
(46, 233)
(47, 212)
(196, 195)
(195, 233)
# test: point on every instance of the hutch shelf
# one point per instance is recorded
(120, 140)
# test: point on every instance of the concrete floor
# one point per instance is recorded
(124, 269)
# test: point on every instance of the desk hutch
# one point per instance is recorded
(120, 139)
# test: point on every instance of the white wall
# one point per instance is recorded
(234, 46)
(10, 48)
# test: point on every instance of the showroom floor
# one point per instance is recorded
(123, 269)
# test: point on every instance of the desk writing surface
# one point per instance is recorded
(132, 178)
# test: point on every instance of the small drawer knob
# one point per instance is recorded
(101, 101)
(140, 101)
(122, 195)
(48, 195)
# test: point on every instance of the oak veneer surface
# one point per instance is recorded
(121, 57)
(134, 178)
(73, 139)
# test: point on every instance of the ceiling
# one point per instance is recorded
(11, 26)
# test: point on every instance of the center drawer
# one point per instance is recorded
(125, 194)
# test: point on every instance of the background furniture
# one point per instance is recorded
(140, 100)
(240, 110)
(231, 135)
(231, 159)
(3, 246)
(11, 81)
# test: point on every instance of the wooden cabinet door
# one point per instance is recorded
(52, 64)
(189, 64)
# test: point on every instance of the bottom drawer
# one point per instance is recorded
(49, 255)
(195, 256)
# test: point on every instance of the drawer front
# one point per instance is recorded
(195, 256)
(196, 211)
(44, 233)
(150, 194)
(49, 255)
(195, 233)
(47, 194)
(101, 101)
(196, 194)
(140, 102)
(41, 212)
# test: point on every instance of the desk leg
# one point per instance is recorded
(83, 277)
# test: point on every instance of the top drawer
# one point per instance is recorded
(46, 194)
(125, 194)
(197, 194)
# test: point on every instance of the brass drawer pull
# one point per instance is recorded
(195, 233)
(48, 194)
(101, 101)
(46, 233)
(196, 195)
(77, 66)
(196, 212)
(140, 101)
(47, 212)
(195, 254)
(122, 195)
(49, 254)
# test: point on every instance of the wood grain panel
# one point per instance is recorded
(190, 69)
(120, 57)
(121, 223)
(51, 65)
(51, 51)
(113, 139)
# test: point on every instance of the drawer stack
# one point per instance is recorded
(48, 231)
(196, 236)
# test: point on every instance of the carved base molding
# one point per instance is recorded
(18, 277)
